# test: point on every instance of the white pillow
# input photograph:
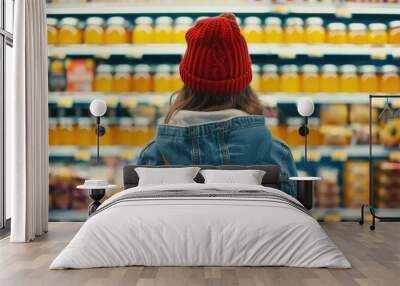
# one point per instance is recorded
(248, 177)
(166, 176)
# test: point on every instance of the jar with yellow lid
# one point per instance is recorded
(349, 81)
(163, 31)
(329, 78)
(377, 34)
(182, 24)
(142, 80)
(310, 79)
(122, 80)
(52, 31)
(336, 33)
(70, 32)
(67, 131)
(103, 79)
(255, 82)
(143, 32)
(176, 81)
(358, 34)
(394, 32)
(94, 31)
(270, 81)
(273, 32)
(162, 78)
(314, 32)
(116, 31)
(390, 81)
(252, 30)
(294, 31)
(85, 132)
(125, 132)
(368, 79)
(290, 81)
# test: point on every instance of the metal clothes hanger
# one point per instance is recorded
(386, 109)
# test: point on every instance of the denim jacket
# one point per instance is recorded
(239, 140)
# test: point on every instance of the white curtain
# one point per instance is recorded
(26, 124)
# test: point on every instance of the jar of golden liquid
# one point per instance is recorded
(176, 79)
(315, 32)
(143, 32)
(125, 133)
(182, 24)
(377, 34)
(52, 31)
(394, 32)
(336, 33)
(86, 132)
(70, 32)
(270, 81)
(162, 78)
(142, 80)
(252, 30)
(358, 34)
(349, 81)
(163, 32)
(256, 80)
(310, 79)
(329, 78)
(368, 79)
(67, 134)
(116, 31)
(94, 31)
(142, 131)
(53, 138)
(273, 32)
(294, 31)
(103, 79)
(290, 81)
(109, 136)
(122, 79)
(390, 81)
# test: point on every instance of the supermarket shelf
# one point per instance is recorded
(344, 214)
(218, 7)
(341, 153)
(282, 50)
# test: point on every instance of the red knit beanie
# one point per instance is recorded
(216, 60)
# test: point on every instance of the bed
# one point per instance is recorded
(198, 224)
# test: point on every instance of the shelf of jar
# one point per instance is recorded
(205, 7)
(137, 51)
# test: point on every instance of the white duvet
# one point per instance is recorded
(200, 231)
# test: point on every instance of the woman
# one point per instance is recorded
(216, 119)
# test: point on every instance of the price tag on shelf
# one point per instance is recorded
(111, 101)
(314, 156)
(130, 102)
(297, 155)
(82, 155)
(287, 53)
(58, 54)
(339, 155)
(135, 54)
(65, 101)
(394, 156)
(103, 55)
(316, 52)
(279, 9)
(127, 154)
(378, 102)
(343, 12)
(378, 54)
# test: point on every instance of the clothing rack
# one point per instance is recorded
(372, 201)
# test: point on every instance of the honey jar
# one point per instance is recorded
(337, 33)
(143, 32)
(70, 32)
(314, 32)
(142, 131)
(53, 138)
(329, 78)
(142, 80)
(390, 82)
(163, 32)
(377, 34)
(273, 32)
(394, 32)
(125, 132)
(52, 31)
(103, 79)
(290, 81)
(122, 80)
(176, 80)
(162, 78)
(349, 81)
(182, 24)
(310, 79)
(294, 31)
(252, 30)
(109, 136)
(368, 79)
(358, 34)
(255, 82)
(94, 31)
(116, 31)
(270, 81)
(85, 132)
(66, 133)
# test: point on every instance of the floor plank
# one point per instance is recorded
(375, 257)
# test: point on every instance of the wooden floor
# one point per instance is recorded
(375, 257)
